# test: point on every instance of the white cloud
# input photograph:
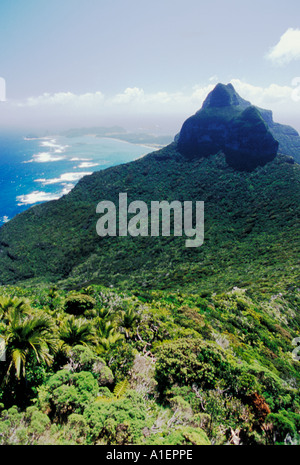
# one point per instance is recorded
(137, 96)
(131, 94)
(200, 93)
(287, 49)
(257, 95)
(135, 101)
(63, 98)
(263, 96)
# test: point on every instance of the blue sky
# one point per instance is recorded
(144, 64)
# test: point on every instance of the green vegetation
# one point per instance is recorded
(251, 230)
(140, 340)
(177, 368)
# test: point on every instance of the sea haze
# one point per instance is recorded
(35, 170)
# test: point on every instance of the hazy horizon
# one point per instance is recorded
(141, 65)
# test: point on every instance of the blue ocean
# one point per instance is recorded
(36, 170)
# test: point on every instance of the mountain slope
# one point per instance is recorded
(251, 223)
(251, 228)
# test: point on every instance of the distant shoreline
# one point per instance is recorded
(150, 145)
(118, 139)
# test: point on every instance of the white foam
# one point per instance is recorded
(52, 144)
(87, 164)
(50, 156)
(63, 178)
(41, 196)
(44, 157)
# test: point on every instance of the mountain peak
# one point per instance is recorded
(223, 96)
(230, 124)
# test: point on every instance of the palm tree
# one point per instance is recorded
(128, 319)
(15, 304)
(76, 331)
(107, 334)
(28, 335)
(98, 313)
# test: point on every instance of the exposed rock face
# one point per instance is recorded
(223, 96)
(230, 124)
(250, 144)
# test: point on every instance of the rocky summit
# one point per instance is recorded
(229, 124)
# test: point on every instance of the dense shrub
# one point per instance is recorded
(22, 428)
(78, 304)
(117, 421)
(68, 393)
(190, 361)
